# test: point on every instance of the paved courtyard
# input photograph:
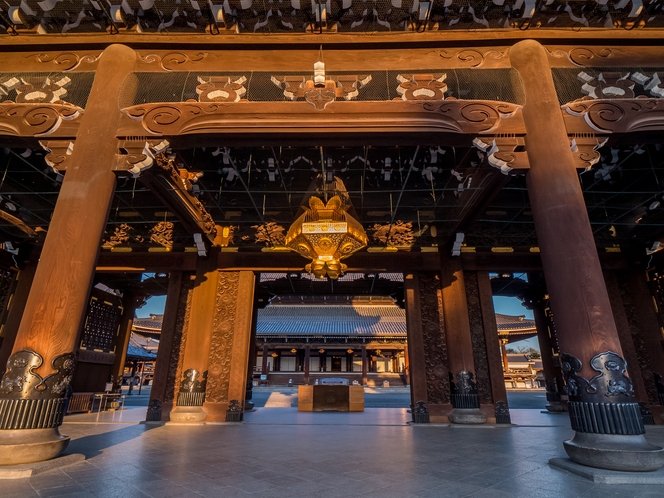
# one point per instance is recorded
(279, 452)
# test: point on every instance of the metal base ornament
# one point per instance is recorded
(466, 400)
(608, 424)
(32, 408)
(420, 413)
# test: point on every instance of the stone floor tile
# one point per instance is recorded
(67, 490)
(614, 491)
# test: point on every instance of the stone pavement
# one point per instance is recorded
(334, 455)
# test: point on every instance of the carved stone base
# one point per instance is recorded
(19, 446)
(467, 416)
(555, 407)
(628, 453)
(188, 414)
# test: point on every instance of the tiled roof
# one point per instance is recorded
(137, 352)
(332, 320)
(511, 322)
(151, 323)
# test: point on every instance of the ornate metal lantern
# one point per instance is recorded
(326, 233)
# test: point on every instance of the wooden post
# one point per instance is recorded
(264, 360)
(464, 394)
(229, 347)
(307, 360)
(157, 408)
(130, 304)
(251, 364)
(415, 349)
(58, 299)
(364, 365)
(585, 327)
(406, 360)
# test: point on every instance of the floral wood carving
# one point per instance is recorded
(344, 87)
(162, 234)
(221, 342)
(270, 234)
(221, 88)
(30, 120)
(422, 86)
(394, 234)
(482, 376)
(174, 61)
(471, 57)
(621, 115)
(433, 333)
(121, 235)
(176, 357)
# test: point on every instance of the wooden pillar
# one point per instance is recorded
(364, 365)
(406, 359)
(169, 347)
(17, 306)
(229, 346)
(264, 360)
(585, 327)
(58, 299)
(251, 363)
(307, 361)
(503, 350)
(463, 387)
(492, 360)
(130, 303)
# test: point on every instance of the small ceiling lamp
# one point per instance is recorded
(293, 350)
(350, 351)
(274, 355)
(326, 233)
(321, 351)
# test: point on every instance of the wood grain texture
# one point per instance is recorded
(58, 300)
(584, 321)
(418, 383)
(15, 314)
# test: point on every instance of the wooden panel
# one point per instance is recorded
(305, 398)
(356, 399)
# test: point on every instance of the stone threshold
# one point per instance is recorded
(602, 476)
(32, 469)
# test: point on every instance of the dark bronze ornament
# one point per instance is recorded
(154, 411)
(420, 413)
(601, 405)
(502, 413)
(192, 391)
(660, 388)
(234, 412)
(464, 392)
(648, 418)
(28, 401)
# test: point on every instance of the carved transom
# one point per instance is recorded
(221, 88)
(50, 92)
(422, 86)
(344, 87)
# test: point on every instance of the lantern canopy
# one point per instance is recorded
(326, 233)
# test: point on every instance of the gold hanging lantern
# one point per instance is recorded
(326, 233)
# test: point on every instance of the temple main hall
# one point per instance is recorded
(404, 161)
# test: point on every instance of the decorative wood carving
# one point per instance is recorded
(480, 358)
(435, 344)
(58, 152)
(221, 88)
(422, 86)
(35, 120)
(505, 153)
(162, 234)
(175, 370)
(173, 61)
(344, 87)
(394, 234)
(472, 57)
(620, 115)
(221, 342)
(173, 187)
(121, 236)
(582, 56)
(585, 150)
(54, 61)
(139, 154)
(452, 116)
(270, 234)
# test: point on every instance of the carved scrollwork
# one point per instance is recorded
(582, 56)
(30, 120)
(422, 86)
(140, 154)
(471, 57)
(620, 116)
(58, 152)
(65, 61)
(585, 150)
(505, 153)
(475, 116)
(174, 61)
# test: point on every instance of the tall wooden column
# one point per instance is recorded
(130, 303)
(229, 347)
(193, 382)
(251, 364)
(56, 306)
(427, 348)
(17, 306)
(364, 365)
(307, 363)
(602, 409)
(463, 387)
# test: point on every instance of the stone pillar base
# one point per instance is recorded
(188, 414)
(19, 446)
(467, 416)
(555, 407)
(630, 453)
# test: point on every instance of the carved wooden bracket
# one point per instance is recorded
(506, 153)
(584, 149)
(58, 152)
(620, 115)
(449, 116)
(139, 154)
(173, 188)
(35, 120)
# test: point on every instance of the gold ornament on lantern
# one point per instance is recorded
(326, 233)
